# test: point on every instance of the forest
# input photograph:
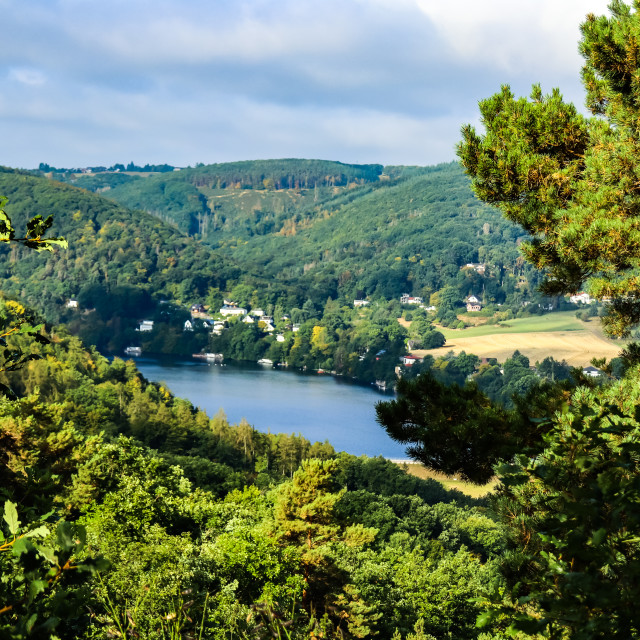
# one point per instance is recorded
(374, 233)
(129, 513)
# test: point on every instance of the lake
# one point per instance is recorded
(320, 407)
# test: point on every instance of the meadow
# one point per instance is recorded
(560, 335)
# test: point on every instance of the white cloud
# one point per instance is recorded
(387, 81)
(512, 34)
(31, 77)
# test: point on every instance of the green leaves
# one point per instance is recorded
(11, 517)
(35, 589)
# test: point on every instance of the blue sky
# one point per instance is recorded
(84, 82)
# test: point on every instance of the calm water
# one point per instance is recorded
(319, 407)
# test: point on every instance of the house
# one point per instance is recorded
(72, 304)
(232, 310)
(295, 327)
(197, 308)
(581, 298)
(268, 327)
(473, 300)
(258, 313)
(279, 338)
(360, 303)
(473, 306)
(188, 325)
(478, 267)
(248, 320)
(409, 360)
(405, 298)
(218, 328)
(592, 372)
(146, 325)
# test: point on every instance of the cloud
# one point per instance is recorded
(30, 77)
(386, 81)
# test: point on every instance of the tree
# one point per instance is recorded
(569, 497)
(20, 321)
(572, 181)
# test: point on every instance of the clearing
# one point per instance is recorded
(560, 335)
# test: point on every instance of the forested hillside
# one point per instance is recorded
(343, 230)
(298, 239)
(154, 520)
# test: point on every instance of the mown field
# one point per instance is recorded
(560, 321)
(560, 335)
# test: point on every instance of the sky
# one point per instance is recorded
(89, 82)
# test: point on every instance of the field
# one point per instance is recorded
(560, 335)
(473, 490)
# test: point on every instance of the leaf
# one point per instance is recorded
(22, 546)
(486, 618)
(49, 554)
(41, 532)
(36, 587)
(11, 516)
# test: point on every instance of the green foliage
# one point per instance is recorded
(41, 586)
(450, 429)
(570, 180)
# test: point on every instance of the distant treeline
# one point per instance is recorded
(288, 173)
(157, 168)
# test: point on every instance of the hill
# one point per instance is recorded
(120, 262)
(343, 230)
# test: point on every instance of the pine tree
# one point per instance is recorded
(573, 182)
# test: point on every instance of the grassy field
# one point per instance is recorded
(561, 321)
(473, 490)
(560, 335)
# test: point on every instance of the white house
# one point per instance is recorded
(258, 313)
(360, 303)
(72, 304)
(188, 325)
(228, 310)
(405, 298)
(279, 338)
(473, 300)
(218, 328)
(248, 320)
(146, 325)
(478, 267)
(409, 360)
(591, 371)
(581, 298)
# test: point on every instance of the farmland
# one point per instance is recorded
(560, 335)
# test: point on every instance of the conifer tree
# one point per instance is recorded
(573, 182)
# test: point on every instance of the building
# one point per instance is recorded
(405, 298)
(231, 310)
(409, 360)
(478, 267)
(473, 304)
(146, 325)
(360, 303)
(72, 304)
(581, 298)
